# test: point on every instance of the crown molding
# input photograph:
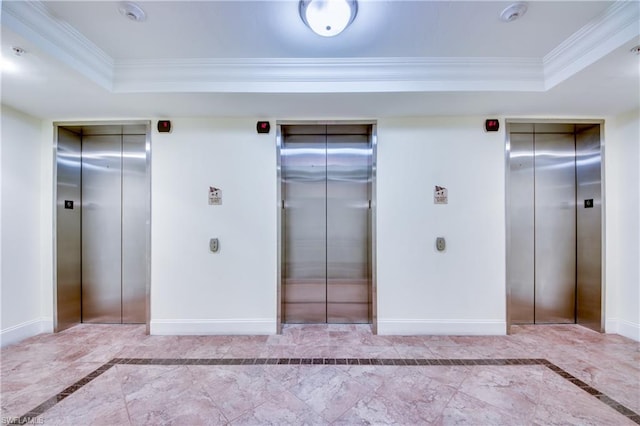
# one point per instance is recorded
(312, 75)
(618, 24)
(34, 22)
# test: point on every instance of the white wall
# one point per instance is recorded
(193, 290)
(421, 290)
(622, 177)
(24, 239)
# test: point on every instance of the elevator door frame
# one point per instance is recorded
(147, 132)
(514, 121)
(280, 217)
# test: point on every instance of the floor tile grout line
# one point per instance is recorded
(30, 416)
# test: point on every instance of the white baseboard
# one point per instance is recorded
(412, 327)
(178, 327)
(623, 327)
(25, 330)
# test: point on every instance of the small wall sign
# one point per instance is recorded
(215, 196)
(440, 195)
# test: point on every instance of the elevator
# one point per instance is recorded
(554, 217)
(326, 222)
(102, 223)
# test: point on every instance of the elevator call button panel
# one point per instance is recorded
(68, 204)
(588, 204)
(214, 245)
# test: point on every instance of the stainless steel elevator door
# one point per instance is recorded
(326, 185)
(521, 269)
(348, 183)
(555, 228)
(102, 239)
(589, 228)
(114, 219)
(135, 193)
(555, 236)
(304, 175)
(68, 229)
(101, 228)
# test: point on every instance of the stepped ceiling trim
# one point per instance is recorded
(614, 27)
(330, 75)
(33, 21)
(617, 25)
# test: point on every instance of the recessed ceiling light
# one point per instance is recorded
(328, 18)
(513, 12)
(131, 11)
(18, 51)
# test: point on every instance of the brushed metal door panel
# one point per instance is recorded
(304, 236)
(348, 195)
(134, 219)
(306, 290)
(326, 186)
(521, 270)
(348, 313)
(348, 291)
(555, 228)
(101, 229)
(306, 313)
(589, 229)
(68, 230)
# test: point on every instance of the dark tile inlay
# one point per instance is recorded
(31, 416)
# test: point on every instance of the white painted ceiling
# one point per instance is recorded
(84, 60)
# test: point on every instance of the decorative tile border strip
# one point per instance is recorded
(32, 416)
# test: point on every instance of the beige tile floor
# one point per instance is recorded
(321, 374)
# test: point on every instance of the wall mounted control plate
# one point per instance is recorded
(214, 245)
(440, 243)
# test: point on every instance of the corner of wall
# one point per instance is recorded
(25, 330)
(24, 237)
(622, 181)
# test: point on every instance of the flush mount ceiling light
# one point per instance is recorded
(131, 11)
(328, 18)
(513, 12)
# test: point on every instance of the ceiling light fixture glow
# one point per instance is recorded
(7, 66)
(328, 18)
